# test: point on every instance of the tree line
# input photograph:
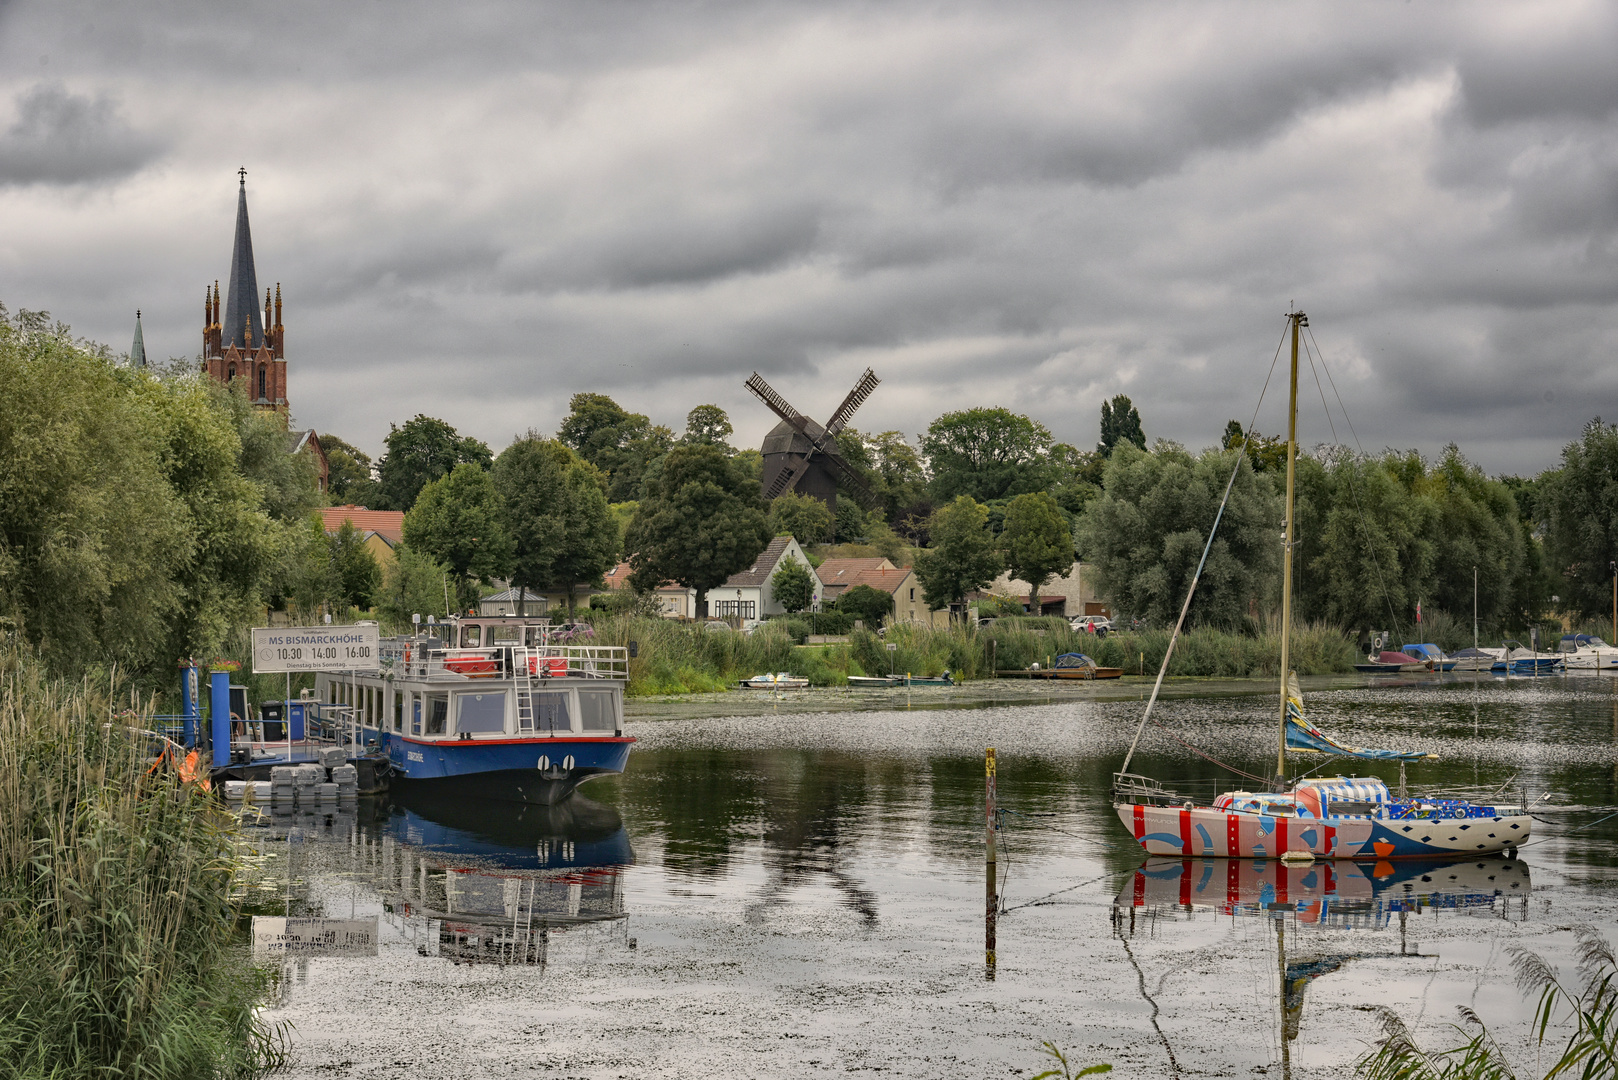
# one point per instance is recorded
(149, 515)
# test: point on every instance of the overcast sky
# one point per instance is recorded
(476, 210)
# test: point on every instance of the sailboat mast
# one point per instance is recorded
(1299, 319)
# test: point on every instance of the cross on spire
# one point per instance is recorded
(242, 172)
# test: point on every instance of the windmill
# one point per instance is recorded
(801, 455)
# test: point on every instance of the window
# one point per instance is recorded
(596, 710)
(415, 714)
(481, 714)
(231, 376)
(398, 712)
(261, 382)
(735, 609)
(548, 711)
(471, 636)
(437, 713)
(912, 596)
(505, 635)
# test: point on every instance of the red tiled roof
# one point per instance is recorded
(887, 580)
(833, 571)
(618, 578)
(388, 524)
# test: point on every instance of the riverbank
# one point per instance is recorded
(673, 658)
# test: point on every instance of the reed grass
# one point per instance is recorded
(118, 947)
(676, 658)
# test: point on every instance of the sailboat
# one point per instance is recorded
(1342, 817)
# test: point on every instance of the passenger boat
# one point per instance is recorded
(1586, 652)
(1343, 817)
(492, 705)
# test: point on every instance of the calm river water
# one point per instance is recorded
(799, 893)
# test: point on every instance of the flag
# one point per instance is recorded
(1418, 612)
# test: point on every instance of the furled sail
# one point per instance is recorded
(1304, 736)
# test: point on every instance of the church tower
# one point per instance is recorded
(243, 345)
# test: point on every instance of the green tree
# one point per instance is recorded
(1579, 505)
(563, 533)
(128, 532)
(626, 446)
(703, 523)
(289, 485)
(1146, 532)
(791, 585)
(309, 580)
(962, 557)
(356, 574)
(1268, 453)
(1477, 526)
(987, 454)
(348, 473)
(867, 603)
(801, 516)
(1038, 542)
(412, 584)
(851, 522)
(708, 425)
(1120, 423)
(421, 451)
(622, 514)
(459, 520)
(1366, 541)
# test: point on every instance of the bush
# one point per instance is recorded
(117, 955)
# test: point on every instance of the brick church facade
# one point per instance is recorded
(252, 348)
(243, 345)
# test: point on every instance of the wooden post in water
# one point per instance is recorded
(991, 902)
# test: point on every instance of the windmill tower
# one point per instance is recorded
(801, 455)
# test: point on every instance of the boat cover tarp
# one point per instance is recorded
(1302, 735)
(1074, 660)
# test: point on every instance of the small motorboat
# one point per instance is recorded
(871, 682)
(1387, 662)
(781, 680)
(1073, 665)
(1432, 654)
(1586, 652)
(1478, 659)
(924, 680)
(1521, 660)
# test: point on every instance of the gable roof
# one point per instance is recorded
(763, 566)
(887, 579)
(837, 571)
(388, 524)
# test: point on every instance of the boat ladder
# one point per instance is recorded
(522, 665)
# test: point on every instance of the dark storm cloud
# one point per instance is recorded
(60, 137)
(477, 211)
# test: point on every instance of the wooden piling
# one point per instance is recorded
(991, 904)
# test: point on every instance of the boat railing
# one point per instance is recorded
(1134, 788)
(418, 659)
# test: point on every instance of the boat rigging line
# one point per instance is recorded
(1185, 608)
(1370, 548)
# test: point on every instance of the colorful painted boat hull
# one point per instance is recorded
(534, 770)
(1200, 832)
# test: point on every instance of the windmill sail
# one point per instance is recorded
(1305, 737)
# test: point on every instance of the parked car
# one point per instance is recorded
(1091, 624)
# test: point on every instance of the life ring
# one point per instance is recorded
(188, 767)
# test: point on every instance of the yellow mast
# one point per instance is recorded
(1298, 319)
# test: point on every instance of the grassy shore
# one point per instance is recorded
(673, 658)
(119, 953)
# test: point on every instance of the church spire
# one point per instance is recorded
(137, 351)
(241, 301)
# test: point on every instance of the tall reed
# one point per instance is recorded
(117, 932)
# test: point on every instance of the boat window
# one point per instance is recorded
(398, 712)
(596, 710)
(415, 714)
(549, 710)
(437, 713)
(471, 636)
(505, 635)
(535, 636)
(480, 713)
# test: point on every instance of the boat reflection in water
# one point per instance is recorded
(1337, 894)
(487, 882)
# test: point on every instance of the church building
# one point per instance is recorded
(243, 345)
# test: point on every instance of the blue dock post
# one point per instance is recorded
(220, 693)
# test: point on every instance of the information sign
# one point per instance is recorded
(278, 938)
(316, 648)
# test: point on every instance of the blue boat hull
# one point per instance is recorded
(534, 770)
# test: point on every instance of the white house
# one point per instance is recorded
(748, 596)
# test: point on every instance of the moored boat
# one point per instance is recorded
(780, 680)
(1434, 657)
(1389, 661)
(1344, 817)
(1586, 652)
(1478, 659)
(489, 705)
